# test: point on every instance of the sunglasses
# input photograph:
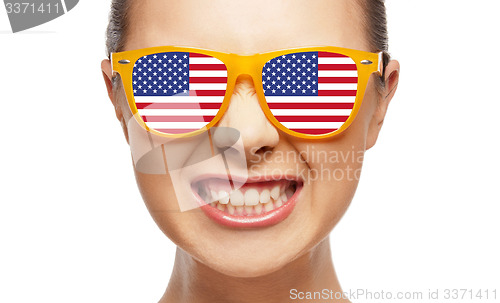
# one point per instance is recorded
(311, 92)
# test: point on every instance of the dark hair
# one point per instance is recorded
(118, 26)
(376, 27)
(374, 13)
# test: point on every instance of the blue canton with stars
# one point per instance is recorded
(163, 74)
(291, 75)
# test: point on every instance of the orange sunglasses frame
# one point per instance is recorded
(366, 62)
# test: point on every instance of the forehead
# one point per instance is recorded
(246, 27)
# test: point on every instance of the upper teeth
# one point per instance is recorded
(251, 197)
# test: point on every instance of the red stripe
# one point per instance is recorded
(196, 55)
(330, 55)
(208, 80)
(207, 93)
(311, 131)
(337, 80)
(207, 67)
(177, 118)
(312, 118)
(178, 105)
(175, 130)
(311, 105)
(337, 67)
(337, 93)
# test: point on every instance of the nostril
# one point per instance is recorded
(262, 150)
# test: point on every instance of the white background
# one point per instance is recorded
(73, 227)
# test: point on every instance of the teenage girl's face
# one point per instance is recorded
(325, 172)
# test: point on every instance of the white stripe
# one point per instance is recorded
(177, 99)
(335, 61)
(311, 112)
(209, 73)
(206, 60)
(321, 125)
(321, 99)
(63, 4)
(337, 73)
(174, 125)
(178, 112)
(337, 86)
(207, 86)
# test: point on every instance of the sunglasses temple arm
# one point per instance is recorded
(381, 63)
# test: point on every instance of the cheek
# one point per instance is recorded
(334, 167)
(160, 199)
(335, 171)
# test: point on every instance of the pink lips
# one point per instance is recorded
(252, 221)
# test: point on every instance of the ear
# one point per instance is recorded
(107, 74)
(391, 83)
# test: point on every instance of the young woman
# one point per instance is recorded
(266, 237)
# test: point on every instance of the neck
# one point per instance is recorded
(192, 281)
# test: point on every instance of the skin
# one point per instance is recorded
(219, 264)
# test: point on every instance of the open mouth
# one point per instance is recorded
(247, 204)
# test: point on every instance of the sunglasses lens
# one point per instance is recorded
(178, 92)
(311, 93)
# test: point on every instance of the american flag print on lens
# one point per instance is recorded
(178, 92)
(311, 92)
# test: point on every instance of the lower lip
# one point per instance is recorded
(263, 220)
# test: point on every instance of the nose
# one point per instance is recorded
(245, 115)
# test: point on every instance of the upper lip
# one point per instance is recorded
(250, 179)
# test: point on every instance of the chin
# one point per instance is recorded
(248, 265)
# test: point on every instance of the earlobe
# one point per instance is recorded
(391, 80)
